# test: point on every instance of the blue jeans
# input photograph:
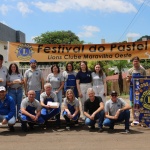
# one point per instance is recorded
(37, 95)
(125, 115)
(16, 94)
(99, 116)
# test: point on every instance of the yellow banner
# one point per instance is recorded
(22, 52)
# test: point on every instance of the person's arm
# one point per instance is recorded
(78, 88)
(61, 86)
(42, 84)
(25, 86)
(76, 112)
(108, 116)
(105, 87)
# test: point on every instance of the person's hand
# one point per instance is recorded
(32, 117)
(80, 95)
(4, 121)
(92, 116)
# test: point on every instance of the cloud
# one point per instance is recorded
(23, 8)
(133, 35)
(4, 9)
(88, 31)
(100, 5)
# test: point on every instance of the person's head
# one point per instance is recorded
(2, 92)
(47, 87)
(13, 68)
(97, 69)
(136, 61)
(69, 67)
(33, 63)
(55, 68)
(1, 59)
(114, 96)
(31, 95)
(83, 66)
(70, 95)
(91, 94)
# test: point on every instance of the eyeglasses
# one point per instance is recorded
(114, 95)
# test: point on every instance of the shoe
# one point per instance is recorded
(92, 127)
(127, 131)
(111, 128)
(68, 128)
(76, 123)
(11, 128)
(100, 130)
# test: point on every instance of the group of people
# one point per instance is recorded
(43, 101)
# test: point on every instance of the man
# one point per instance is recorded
(33, 79)
(47, 100)
(7, 109)
(3, 72)
(116, 110)
(93, 110)
(136, 71)
(30, 112)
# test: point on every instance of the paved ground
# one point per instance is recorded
(79, 138)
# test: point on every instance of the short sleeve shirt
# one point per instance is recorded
(112, 107)
(55, 80)
(65, 74)
(52, 95)
(25, 103)
(3, 75)
(91, 107)
(97, 80)
(33, 79)
(141, 70)
(74, 103)
(84, 77)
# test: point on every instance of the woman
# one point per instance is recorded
(99, 82)
(71, 108)
(83, 81)
(57, 81)
(70, 78)
(15, 82)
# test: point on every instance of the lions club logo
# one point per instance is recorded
(24, 52)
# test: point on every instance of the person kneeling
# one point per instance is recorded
(30, 112)
(94, 110)
(7, 109)
(50, 105)
(116, 110)
(71, 108)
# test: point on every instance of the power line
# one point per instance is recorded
(132, 20)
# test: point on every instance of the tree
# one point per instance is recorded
(58, 37)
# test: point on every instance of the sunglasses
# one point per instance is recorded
(114, 95)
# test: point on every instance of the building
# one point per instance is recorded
(8, 34)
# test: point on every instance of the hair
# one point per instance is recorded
(135, 58)
(55, 65)
(70, 90)
(47, 84)
(17, 69)
(100, 72)
(69, 63)
(90, 90)
(85, 64)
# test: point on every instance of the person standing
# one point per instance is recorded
(30, 112)
(47, 99)
(3, 72)
(99, 82)
(7, 109)
(94, 110)
(136, 71)
(70, 79)
(33, 79)
(15, 82)
(56, 79)
(71, 108)
(116, 110)
(83, 81)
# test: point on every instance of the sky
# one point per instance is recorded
(90, 20)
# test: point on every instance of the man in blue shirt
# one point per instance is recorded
(7, 109)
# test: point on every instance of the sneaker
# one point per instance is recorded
(127, 131)
(11, 128)
(76, 123)
(68, 128)
(92, 127)
(100, 130)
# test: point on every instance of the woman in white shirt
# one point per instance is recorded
(99, 82)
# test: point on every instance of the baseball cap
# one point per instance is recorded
(114, 93)
(1, 57)
(2, 88)
(33, 61)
